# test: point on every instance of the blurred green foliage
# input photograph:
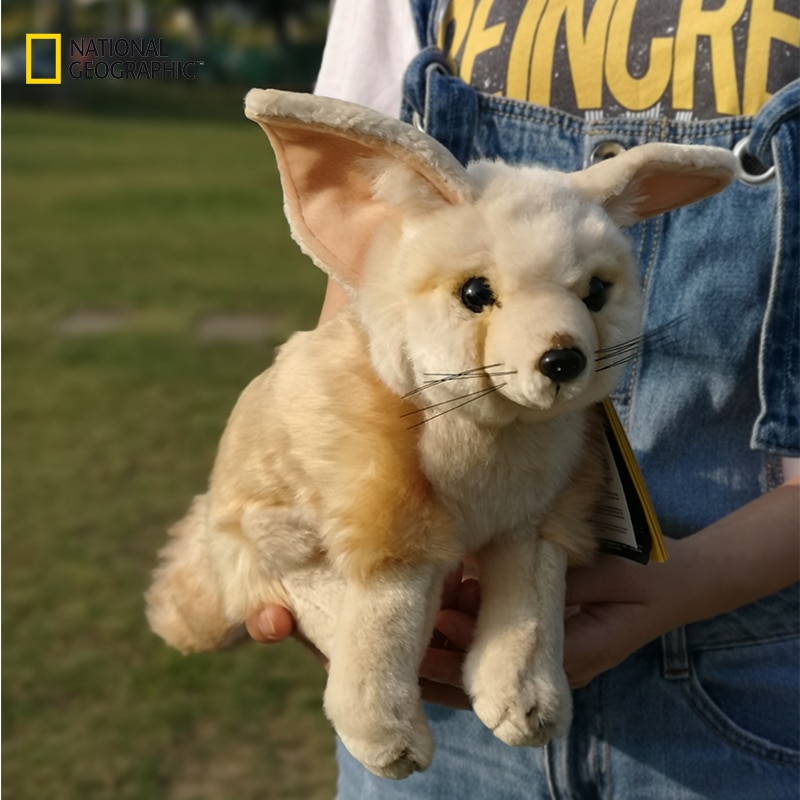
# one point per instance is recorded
(149, 225)
(241, 43)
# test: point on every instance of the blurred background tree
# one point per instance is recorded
(240, 43)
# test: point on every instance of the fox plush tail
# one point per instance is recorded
(185, 603)
(211, 577)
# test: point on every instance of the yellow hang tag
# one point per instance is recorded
(626, 520)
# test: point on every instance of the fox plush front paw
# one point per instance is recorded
(524, 701)
(391, 741)
(394, 750)
(531, 714)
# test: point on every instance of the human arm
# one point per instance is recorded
(621, 606)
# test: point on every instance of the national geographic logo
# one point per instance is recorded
(100, 58)
(43, 57)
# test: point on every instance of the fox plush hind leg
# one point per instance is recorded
(374, 669)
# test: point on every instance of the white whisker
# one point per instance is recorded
(472, 397)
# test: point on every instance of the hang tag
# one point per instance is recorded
(625, 520)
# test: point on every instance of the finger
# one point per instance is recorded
(469, 597)
(442, 666)
(458, 628)
(444, 695)
(271, 624)
(452, 588)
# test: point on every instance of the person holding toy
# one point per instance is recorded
(685, 674)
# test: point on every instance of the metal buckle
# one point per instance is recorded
(751, 170)
(419, 121)
(604, 151)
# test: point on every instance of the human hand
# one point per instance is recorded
(614, 607)
(442, 665)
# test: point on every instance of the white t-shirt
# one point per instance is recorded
(370, 43)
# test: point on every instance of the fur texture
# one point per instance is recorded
(447, 411)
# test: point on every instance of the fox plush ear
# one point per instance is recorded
(654, 178)
(333, 157)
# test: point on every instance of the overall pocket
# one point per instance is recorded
(749, 695)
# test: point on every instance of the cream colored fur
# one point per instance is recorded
(357, 470)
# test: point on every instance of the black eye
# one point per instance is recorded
(476, 294)
(598, 294)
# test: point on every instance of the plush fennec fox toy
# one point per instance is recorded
(446, 411)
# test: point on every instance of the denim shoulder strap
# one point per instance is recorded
(427, 14)
(775, 142)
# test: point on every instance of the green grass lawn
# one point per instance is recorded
(154, 225)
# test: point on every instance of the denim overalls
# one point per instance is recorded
(710, 710)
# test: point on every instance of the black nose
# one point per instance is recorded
(562, 366)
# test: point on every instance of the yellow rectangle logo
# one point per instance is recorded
(29, 39)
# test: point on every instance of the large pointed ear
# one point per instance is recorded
(654, 178)
(331, 156)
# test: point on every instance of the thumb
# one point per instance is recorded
(271, 624)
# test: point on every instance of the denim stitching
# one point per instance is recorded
(694, 647)
(510, 108)
(604, 776)
(773, 469)
(760, 437)
(727, 729)
(654, 227)
(550, 769)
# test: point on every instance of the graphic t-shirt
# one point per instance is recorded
(683, 59)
